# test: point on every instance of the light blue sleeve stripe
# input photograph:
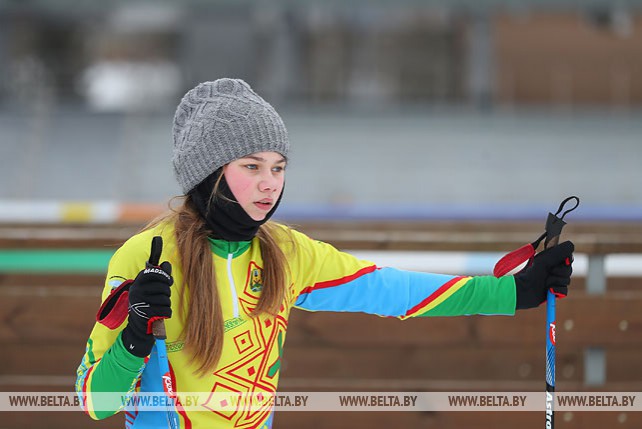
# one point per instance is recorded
(385, 292)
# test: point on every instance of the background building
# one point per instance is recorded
(454, 103)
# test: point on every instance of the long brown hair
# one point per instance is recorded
(199, 301)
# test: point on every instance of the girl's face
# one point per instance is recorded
(256, 181)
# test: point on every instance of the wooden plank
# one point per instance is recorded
(582, 320)
(66, 314)
(354, 329)
(52, 358)
(58, 420)
(64, 236)
(65, 383)
(57, 318)
(436, 363)
(445, 420)
(357, 420)
(612, 284)
(52, 279)
(453, 363)
(623, 363)
(589, 237)
(322, 420)
(563, 420)
(470, 241)
(459, 363)
(401, 363)
(342, 384)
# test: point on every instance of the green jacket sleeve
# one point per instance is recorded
(106, 365)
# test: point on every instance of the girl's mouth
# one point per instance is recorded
(263, 204)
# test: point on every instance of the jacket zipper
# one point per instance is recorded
(235, 298)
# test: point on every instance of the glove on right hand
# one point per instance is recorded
(149, 300)
(551, 269)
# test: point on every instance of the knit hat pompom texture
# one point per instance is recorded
(218, 122)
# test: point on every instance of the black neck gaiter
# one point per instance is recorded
(223, 215)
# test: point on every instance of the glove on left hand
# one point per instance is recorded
(551, 269)
(149, 300)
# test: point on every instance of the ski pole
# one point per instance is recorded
(158, 330)
(554, 225)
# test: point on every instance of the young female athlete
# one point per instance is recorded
(229, 277)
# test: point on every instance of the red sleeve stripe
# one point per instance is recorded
(342, 280)
(89, 371)
(435, 295)
(84, 387)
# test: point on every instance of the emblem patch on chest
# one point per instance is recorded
(256, 280)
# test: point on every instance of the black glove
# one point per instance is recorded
(148, 301)
(551, 269)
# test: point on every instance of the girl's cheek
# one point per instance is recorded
(234, 177)
(243, 182)
(238, 183)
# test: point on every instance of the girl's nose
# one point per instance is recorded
(265, 186)
(269, 183)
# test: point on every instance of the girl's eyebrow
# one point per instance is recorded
(261, 159)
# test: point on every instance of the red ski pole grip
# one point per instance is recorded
(513, 260)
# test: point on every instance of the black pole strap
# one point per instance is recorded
(555, 224)
(552, 231)
(563, 203)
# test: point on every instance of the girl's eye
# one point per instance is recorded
(278, 169)
(251, 166)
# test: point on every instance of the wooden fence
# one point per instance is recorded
(46, 318)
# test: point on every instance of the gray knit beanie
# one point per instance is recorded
(218, 122)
